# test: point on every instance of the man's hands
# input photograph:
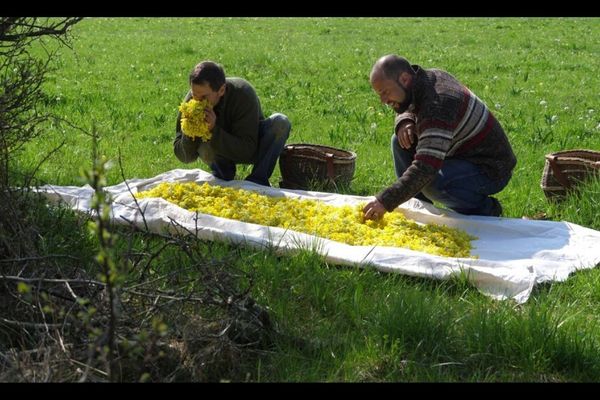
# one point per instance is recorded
(407, 134)
(210, 117)
(374, 210)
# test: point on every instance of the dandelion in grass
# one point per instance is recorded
(193, 123)
(343, 224)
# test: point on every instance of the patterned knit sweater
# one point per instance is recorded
(451, 122)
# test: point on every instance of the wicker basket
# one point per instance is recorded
(564, 170)
(313, 166)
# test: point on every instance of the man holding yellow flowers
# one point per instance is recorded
(221, 122)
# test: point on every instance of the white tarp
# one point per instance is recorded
(513, 254)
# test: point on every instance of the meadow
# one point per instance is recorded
(125, 77)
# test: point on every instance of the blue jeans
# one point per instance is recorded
(273, 132)
(459, 185)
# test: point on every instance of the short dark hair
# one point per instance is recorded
(392, 66)
(208, 72)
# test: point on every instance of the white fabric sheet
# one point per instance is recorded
(513, 254)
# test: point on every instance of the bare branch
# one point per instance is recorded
(28, 28)
(48, 280)
(25, 324)
(37, 258)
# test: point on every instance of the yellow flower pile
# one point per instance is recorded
(193, 123)
(343, 224)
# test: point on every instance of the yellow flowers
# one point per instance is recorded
(343, 224)
(193, 123)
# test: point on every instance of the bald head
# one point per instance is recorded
(390, 67)
(392, 80)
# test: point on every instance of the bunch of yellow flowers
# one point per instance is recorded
(340, 223)
(193, 123)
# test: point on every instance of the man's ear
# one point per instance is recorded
(405, 79)
(221, 91)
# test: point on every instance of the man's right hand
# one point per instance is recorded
(406, 134)
(210, 117)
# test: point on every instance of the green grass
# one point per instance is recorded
(126, 77)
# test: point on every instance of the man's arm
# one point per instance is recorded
(414, 179)
(241, 141)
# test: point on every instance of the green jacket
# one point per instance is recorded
(235, 135)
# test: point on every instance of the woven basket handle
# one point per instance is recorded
(329, 159)
(560, 177)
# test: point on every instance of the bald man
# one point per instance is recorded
(447, 145)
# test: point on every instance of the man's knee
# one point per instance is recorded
(280, 125)
(395, 144)
(206, 154)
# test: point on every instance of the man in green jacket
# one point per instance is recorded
(240, 133)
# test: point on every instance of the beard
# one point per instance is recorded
(408, 98)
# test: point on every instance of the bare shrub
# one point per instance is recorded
(84, 300)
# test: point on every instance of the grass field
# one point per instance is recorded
(126, 76)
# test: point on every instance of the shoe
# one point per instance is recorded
(258, 181)
(496, 208)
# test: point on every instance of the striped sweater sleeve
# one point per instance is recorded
(417, 176)
(405, 116)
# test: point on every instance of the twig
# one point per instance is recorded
(49, 280)
(28, 324)
(71, 291)
(167, 297)
(36, 258)
(88, 367)
(39, 164)
(130, 192)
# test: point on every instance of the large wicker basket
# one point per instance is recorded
(312, 166)
(564, 170)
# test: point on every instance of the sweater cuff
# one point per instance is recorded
(385, 201)
(400, 118)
